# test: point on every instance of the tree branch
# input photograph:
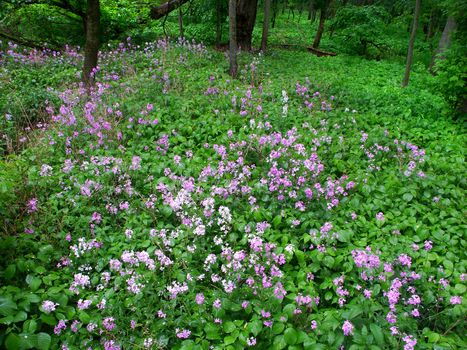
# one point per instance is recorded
(25, 42)
(164, 9)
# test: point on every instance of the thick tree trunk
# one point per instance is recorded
(267, 11)
(319, 33)
(164, 9)
(444, 41)
(408, 65)
(233, 37)
(91, 48)
(246, 18)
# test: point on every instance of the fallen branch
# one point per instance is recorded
(164, 9)
(26, 42)
(320, 53)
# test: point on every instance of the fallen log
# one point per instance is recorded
(164, 9)
(320, 53)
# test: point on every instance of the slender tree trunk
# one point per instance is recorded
(180, 20)
(444, 41)
(312, 12)
(246, 18)
(233, 37)
(218, 23)
(91, 48)
(267, 10)
(408, 65)
(319, 33)
(274, 13)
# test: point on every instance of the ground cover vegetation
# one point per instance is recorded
(160, 203)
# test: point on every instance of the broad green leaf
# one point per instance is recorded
(42, 341)
(278, 328)
(290, 336)
(377, 333)
(229, 327)
(255, 327)
(7, 306)
(12, 342)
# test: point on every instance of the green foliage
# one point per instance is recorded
(115, 160)
(451, 74)
(362, 28)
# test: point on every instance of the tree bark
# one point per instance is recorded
(311, 11)
(218, 23)
(164, 9)
(180, 20)
(91, 48)
(444, 41)
(319, 33)
(274, 13)
(233, 37)
(408, 65)
(267, 11)
(246, 18)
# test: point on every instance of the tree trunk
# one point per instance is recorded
(180, 20)
(408, 65)
(233, 37)
(319, 33)
(218, 23)
(267, 10)
(444, 41)
(246, 17)
(164, 9)
(91, 47)
(311, 11)
(274, 13)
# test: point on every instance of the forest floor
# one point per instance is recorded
(311, 203)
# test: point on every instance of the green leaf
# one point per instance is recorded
(316, 346)
(407, 197)
(377, 333)
(13, 342)
(277, 221)
(289, 309)
(29, 326)
(255, 327)
(229, 340)
(460, 288)
(33, 282)
(433, 337)
(48, 319)
(279, 342)
(84, 317)
(290, 336)
(212, 332)
(7, 306)
(229, 327)
(31, 298)
(278, 328)
(42, 341)
(328, 261)
(10, 272)
(344, 236)
(20, 317)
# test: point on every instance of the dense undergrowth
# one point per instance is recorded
(312, 203)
